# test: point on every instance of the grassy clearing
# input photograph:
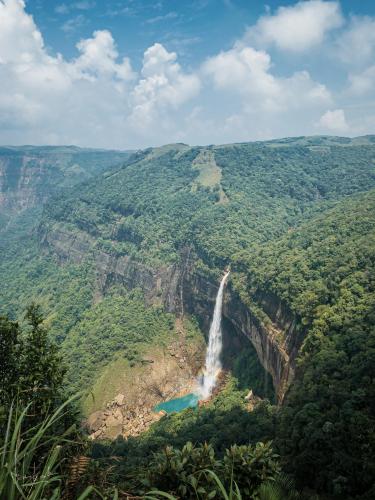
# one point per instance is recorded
(110, 382)
(209, 173)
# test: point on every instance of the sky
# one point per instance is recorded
(129, 74)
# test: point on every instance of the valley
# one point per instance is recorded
(124, 252)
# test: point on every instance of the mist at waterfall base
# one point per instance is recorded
(215, 344)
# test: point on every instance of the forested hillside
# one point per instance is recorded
(126, 265)
(324, 269)
(221, 198)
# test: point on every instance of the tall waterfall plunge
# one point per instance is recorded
(213, 363)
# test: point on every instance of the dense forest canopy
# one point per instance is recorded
(294, 219)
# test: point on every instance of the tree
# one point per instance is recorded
(31, 369)
(10, 348)
(41, 367)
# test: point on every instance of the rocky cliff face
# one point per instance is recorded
(20, 182)
(30, 175)
(181, 288)
(160, 285)
(272, 341)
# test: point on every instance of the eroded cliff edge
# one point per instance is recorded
(182, 288)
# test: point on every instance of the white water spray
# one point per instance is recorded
(213, 363)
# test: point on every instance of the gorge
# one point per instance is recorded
(127, 266)
(187, 250)
(184, 287)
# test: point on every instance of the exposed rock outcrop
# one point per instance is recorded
(121, 419)
(159, 285)
(270, 341)
(167, 374)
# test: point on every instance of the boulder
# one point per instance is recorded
(119, 400)
(95, 421)
(95, 435)
(114, 431)
(113, 426)
(113, 421)
(118, 414)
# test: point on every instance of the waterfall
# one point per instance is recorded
(213, 363)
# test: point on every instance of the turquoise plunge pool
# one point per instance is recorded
(178, 404)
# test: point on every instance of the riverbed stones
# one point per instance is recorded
(118, 414)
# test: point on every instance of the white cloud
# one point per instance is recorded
(163, 85)
(356, 45)
(95, 98)
(20, 40)
(296, 28)
(272, 105)
(74, 23)
(363, 82)
(334, 121)
(165, 17)
(263, 105)
(99, 56)
(65, 9)
(83, 5)
(62, 9)
(354, 49)
(244, 69)
(248, 71)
